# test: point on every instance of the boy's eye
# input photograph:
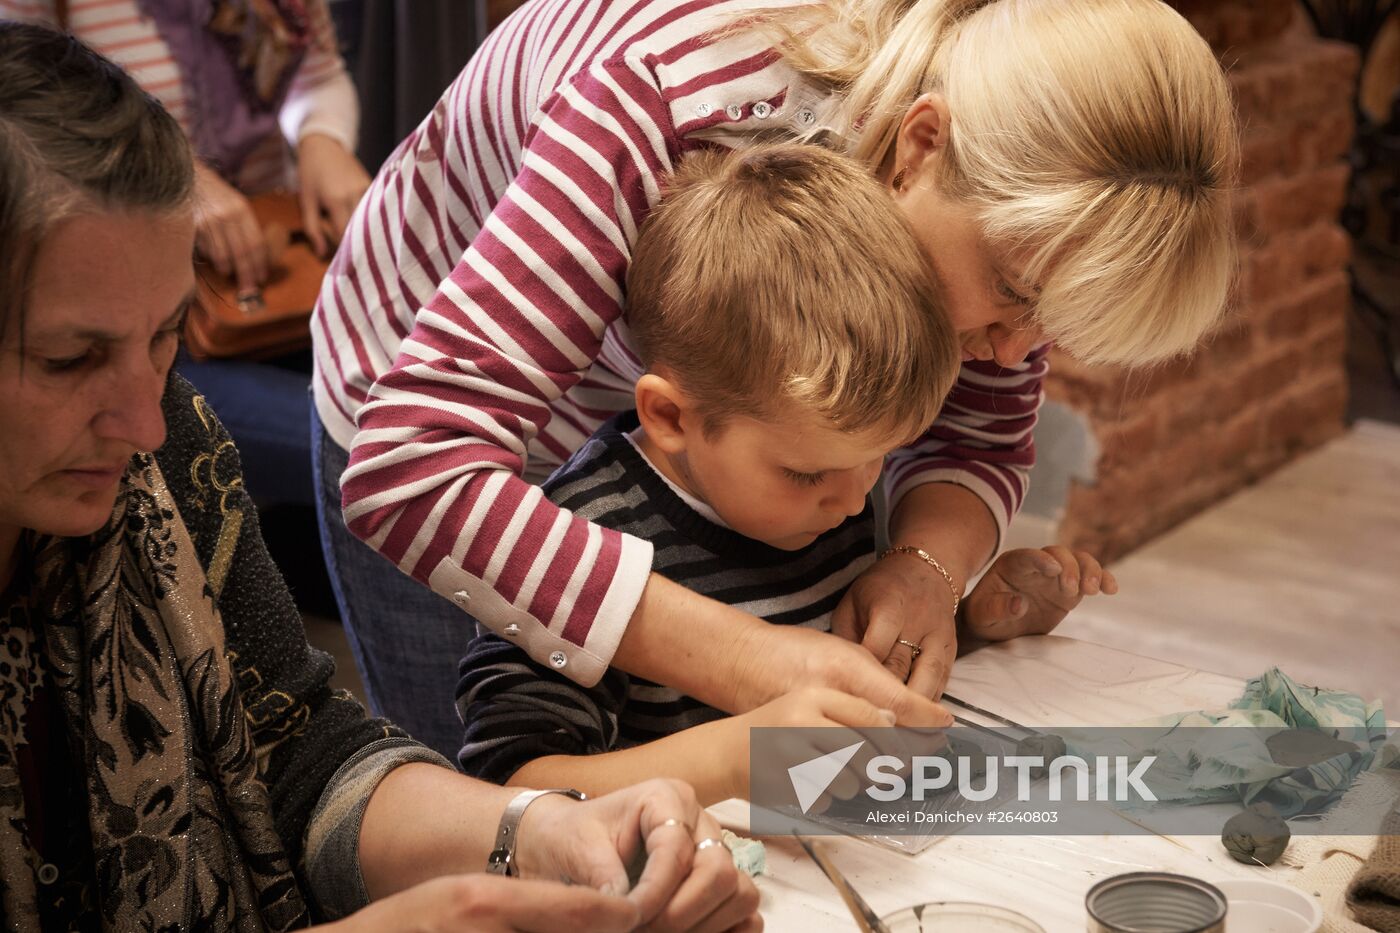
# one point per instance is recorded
(804, 479)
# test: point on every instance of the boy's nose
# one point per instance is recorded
(850, 500)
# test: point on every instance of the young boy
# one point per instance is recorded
(760, 427)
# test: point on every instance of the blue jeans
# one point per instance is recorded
(264, 407)
(407, 640)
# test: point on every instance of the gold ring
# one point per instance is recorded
(912, 646)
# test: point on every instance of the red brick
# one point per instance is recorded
(1233, 26)
(1326, 138)
(1124, 443)
(1332, 66)
(1115, 497)
(1237, 441)
(1281, 204)
(1292, 78)
(1281, 267)
(1269, 271)
(1188, 409)
(1186, 456)
(1271, 17)
(1271, 149)
(1267, 376)
(1257, 86)
(1320, 249)
(1319, 300)
(1099, 391)
(1225, 348)
(1246, 220)
(1327, 349)
(1309, 414)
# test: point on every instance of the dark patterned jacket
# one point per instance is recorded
(315, 749)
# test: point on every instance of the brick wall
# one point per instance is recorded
(1272, 384)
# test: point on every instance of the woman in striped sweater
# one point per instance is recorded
(1066, 166)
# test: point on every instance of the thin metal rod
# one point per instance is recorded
(990, 715)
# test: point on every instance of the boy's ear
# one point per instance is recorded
(667, 414)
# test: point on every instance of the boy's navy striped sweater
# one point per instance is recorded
(516, 710)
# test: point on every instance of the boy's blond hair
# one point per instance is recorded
(785, 274)
(1096, 137)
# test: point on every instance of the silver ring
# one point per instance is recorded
(704, 844)
(912, 646)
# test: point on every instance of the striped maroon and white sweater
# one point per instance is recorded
(471, 331)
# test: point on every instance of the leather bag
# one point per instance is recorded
(275, 321)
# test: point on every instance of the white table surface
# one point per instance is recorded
(1044, 681)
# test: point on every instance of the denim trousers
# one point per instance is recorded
(406, 639)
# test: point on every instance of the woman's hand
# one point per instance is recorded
(572, 857)
(736, 662)
(332, 181)
(900, 597)
(787, 658)
(227, 232)
(1028, 591)
(680, 888)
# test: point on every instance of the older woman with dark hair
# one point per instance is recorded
(171, 752)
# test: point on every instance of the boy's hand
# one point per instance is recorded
(1028, 591)
(812, 707)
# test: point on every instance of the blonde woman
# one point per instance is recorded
(1066, 165)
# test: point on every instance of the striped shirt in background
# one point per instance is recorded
(471, 331)
(321, 98)
(516, 710)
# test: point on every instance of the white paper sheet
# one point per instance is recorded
(1046, 681)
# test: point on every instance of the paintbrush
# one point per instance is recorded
(866, 919)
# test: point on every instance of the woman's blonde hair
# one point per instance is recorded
(1096, 138)
(784, 275)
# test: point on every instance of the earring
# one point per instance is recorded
(898, 181)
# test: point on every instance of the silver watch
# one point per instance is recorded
(501, 861)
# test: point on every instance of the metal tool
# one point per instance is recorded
(987, 730)
(1016, 725)
(867, 921)
(987, 713)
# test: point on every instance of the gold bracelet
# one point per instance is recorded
(932, 561)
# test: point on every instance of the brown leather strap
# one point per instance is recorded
(60, 11)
